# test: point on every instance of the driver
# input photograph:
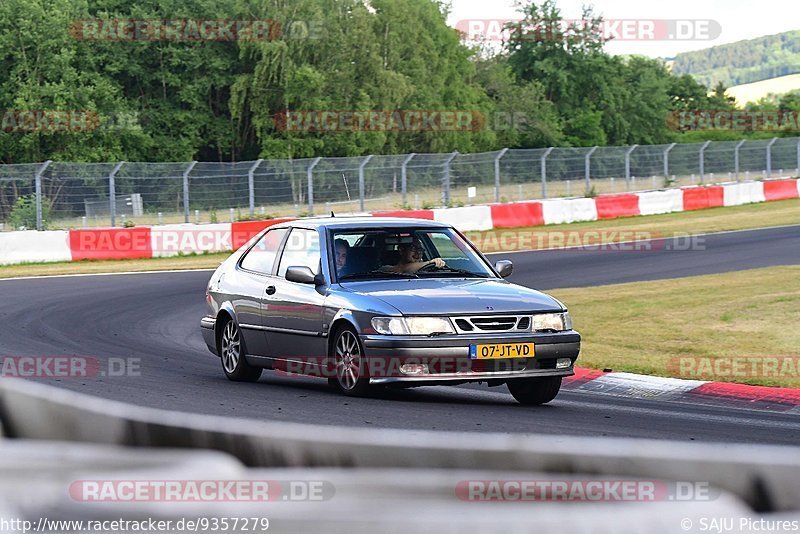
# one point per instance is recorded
(411, 259)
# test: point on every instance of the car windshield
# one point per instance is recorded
(415, 253)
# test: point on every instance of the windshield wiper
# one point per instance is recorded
(377, 274)
(453, 270)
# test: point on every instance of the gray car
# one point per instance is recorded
(369, 301)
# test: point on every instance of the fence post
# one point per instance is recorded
(186, 191)
(769, 157)
(798, 157)
(666, 160)
(361, 182)
(446, 180)
(544, 171)
(112, 193)
(628, 165)
(38, 184)
(310, 180)
(587, 167)
(703, 161)
(736, 157)
(404, 178)
(251, 186)
(497, 174)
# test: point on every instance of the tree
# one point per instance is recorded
(523, 117)
(600, 98)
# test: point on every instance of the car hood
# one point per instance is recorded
(455, 296)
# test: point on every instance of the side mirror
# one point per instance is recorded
(301, 275)
(504, 268)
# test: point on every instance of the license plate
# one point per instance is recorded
(501, 350)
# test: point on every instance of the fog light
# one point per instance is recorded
(414, 369)
(563, 363)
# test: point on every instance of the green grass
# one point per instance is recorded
(647, 327)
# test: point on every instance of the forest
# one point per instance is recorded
(178, 95)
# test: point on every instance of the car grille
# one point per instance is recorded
(496, 323)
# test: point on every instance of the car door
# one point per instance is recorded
(294, 312)
(254, 274)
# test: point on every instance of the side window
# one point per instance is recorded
(302, 250)
(261, 258)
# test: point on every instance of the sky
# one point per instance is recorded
(736, 20)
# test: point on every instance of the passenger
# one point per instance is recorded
(342, 248)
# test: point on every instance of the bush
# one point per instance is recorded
(23, 213)
(255, 217)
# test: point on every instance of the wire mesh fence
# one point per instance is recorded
(74, 195)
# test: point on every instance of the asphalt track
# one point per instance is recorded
(154, 318)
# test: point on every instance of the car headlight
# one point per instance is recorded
(552, 321)
(415, 326)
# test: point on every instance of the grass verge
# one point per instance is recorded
(779, 213)
(694, 324)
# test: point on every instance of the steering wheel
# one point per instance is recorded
(427, 268)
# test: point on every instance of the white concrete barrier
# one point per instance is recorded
(467, 219)
(569, 210)
(658, 202)
(581, 209)
(555, 212)
(32, 246)
(743, 193)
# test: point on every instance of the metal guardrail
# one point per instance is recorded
(36, 477)
(767, 478)
(208, 191)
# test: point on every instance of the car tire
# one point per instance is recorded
(534, 391)
(350, 371)
(232, 354)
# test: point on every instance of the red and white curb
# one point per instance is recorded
(645, 387)
(171, 240)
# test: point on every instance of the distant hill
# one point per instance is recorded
(752, 92)
(743, 62)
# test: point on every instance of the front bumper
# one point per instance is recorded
(449, 361)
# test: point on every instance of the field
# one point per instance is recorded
(752, 92)
(750, 315)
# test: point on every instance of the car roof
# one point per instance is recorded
(344, 223)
